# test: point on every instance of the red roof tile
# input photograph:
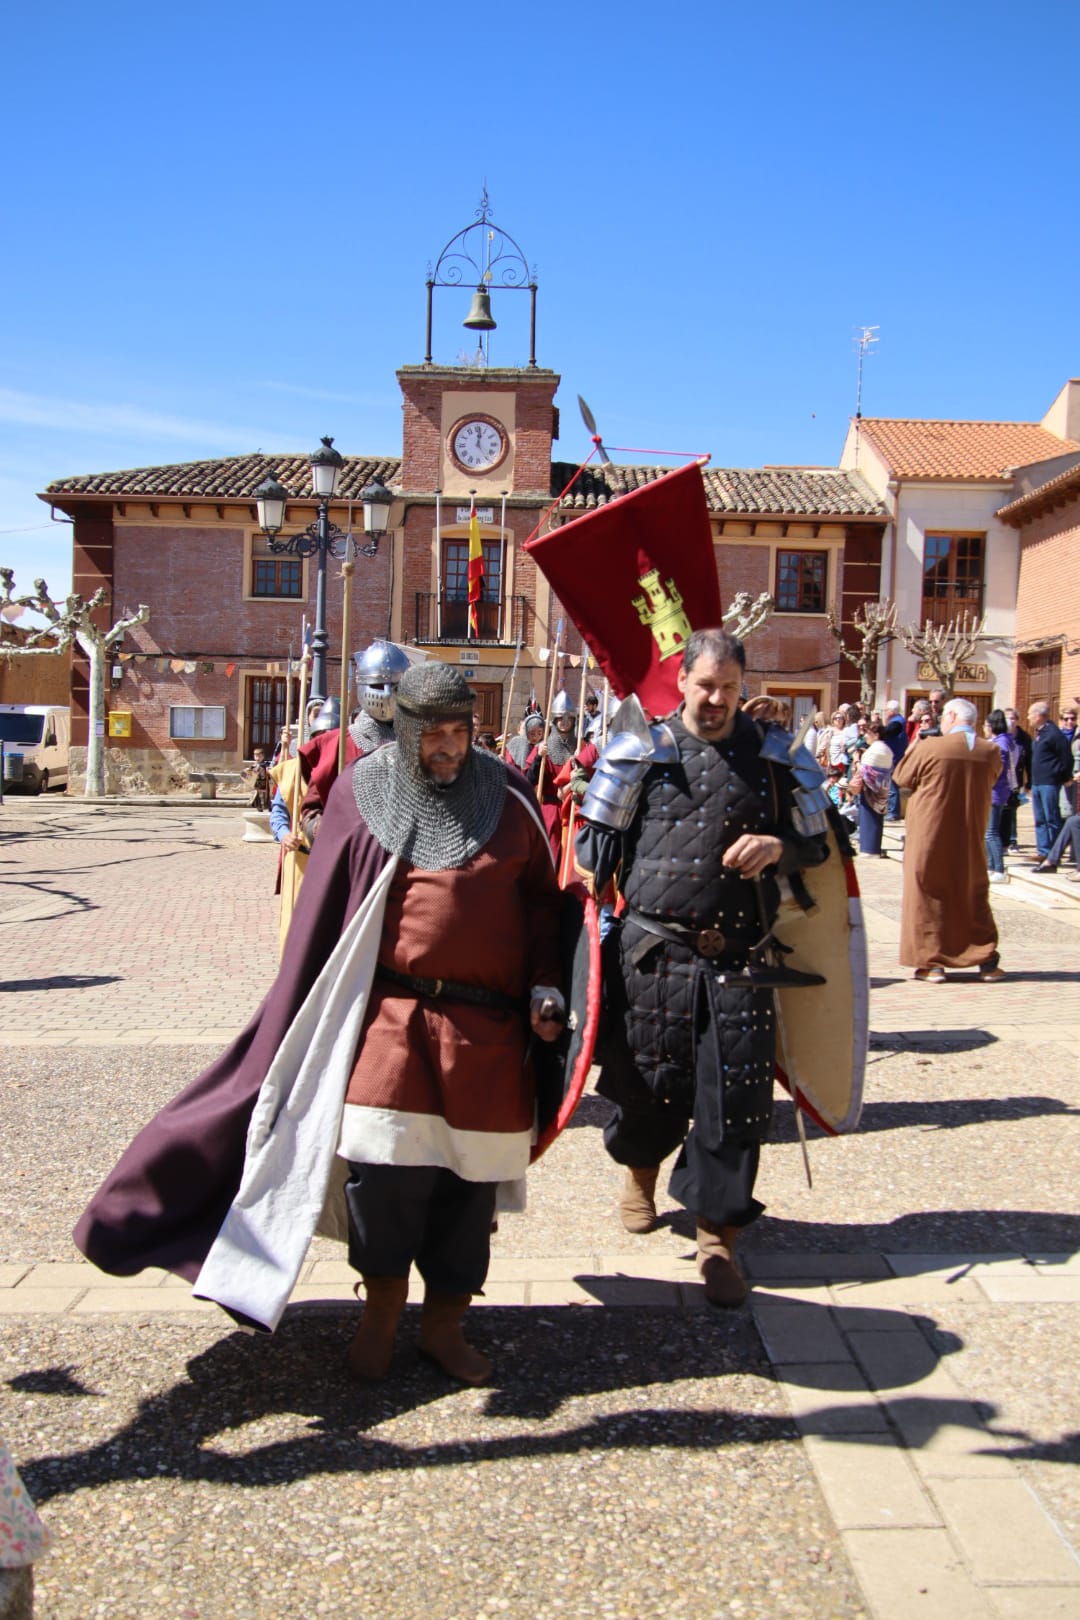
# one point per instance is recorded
(959, 450)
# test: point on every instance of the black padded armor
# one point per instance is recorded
(703, 1046)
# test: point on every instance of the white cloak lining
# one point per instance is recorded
(256, 1257)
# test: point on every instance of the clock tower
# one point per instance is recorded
(483, 432)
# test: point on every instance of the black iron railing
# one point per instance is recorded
(446, 619)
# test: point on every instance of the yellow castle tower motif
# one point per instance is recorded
(662, 613)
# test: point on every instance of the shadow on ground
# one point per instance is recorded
(667, 1368)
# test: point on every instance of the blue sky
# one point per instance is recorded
(218, 222)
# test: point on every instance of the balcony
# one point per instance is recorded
(445, 620)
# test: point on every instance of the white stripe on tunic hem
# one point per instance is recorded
(392, 1136)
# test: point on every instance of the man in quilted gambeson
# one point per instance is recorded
(696, 819)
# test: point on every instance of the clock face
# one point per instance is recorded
(478, 444)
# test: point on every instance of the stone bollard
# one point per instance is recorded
(257, 827)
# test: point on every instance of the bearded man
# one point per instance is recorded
(698, 818)
(422, 955)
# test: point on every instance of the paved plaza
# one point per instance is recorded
(892, 1430)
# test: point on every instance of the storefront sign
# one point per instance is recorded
(976, 674)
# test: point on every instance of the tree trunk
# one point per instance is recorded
(95, 742)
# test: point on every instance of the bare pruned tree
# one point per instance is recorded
(748, 613)
(945, 647)
(875, 625)
(74, 622)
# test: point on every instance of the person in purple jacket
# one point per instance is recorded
(996, 728)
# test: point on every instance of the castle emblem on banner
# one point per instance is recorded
(661, 610)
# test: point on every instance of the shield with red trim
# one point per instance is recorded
(637, 577)
(823, 1033)
(562, 1066)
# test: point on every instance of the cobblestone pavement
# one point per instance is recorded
(888, 1433)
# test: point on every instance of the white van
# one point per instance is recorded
(35, 739)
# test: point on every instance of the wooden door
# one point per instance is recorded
(489, 701)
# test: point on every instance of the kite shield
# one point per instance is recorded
(562, 1066)
(823, 1033)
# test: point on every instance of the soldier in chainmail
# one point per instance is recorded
(697, 819)
(420, 978)
(544, 762)
(377, 669)
(440, 1103)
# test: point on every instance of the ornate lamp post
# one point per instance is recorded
(322, 538)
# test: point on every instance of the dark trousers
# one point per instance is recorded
(401, 1214)
(1008, 821)
(712, 1176)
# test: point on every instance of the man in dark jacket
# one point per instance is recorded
(895, 738)
(1051, 768)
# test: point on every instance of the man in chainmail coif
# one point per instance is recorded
(422, 960)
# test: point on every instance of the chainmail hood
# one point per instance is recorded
(425, 823)
(368, 733)
(561, 748)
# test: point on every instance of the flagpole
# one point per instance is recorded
(603, 723)
(502, 567)
(510, 700)
(438, 563)
(547, 713)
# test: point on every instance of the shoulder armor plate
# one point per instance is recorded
(611, 798)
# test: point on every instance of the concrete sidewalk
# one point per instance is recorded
(888, 1433)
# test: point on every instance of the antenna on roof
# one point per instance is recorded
(864, 341)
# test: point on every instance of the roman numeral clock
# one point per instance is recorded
(477, 444)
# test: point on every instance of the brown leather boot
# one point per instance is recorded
(442, 1340)
(724, 1282)
(373, 1342)
(637, 1203)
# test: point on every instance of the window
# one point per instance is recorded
(199, 722)
(266, 704)
(802, 579)
(953, 577)
(455, 592)
(274, 576)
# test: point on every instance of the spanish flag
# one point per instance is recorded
(476, 570)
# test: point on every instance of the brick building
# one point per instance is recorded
(204, 679)
(1046, 519)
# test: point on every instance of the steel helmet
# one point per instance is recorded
(378, 670)
(563, 704)
(328, 717)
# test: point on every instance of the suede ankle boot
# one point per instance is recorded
(637, 1202)
(372, 1347)
(724, 1282)
(442, 1340)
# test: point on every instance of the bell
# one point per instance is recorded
(480, 318)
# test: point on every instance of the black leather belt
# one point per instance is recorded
(707, 942)
(448, 990)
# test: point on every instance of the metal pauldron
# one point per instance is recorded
(810, 806)
(611, 798)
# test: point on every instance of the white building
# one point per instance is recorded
(946, 553)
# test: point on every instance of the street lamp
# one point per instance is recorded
(322, 537)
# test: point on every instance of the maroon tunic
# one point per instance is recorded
(170, 1191)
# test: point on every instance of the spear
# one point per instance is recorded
(550, 701)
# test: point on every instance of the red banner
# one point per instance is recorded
(637, 577)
